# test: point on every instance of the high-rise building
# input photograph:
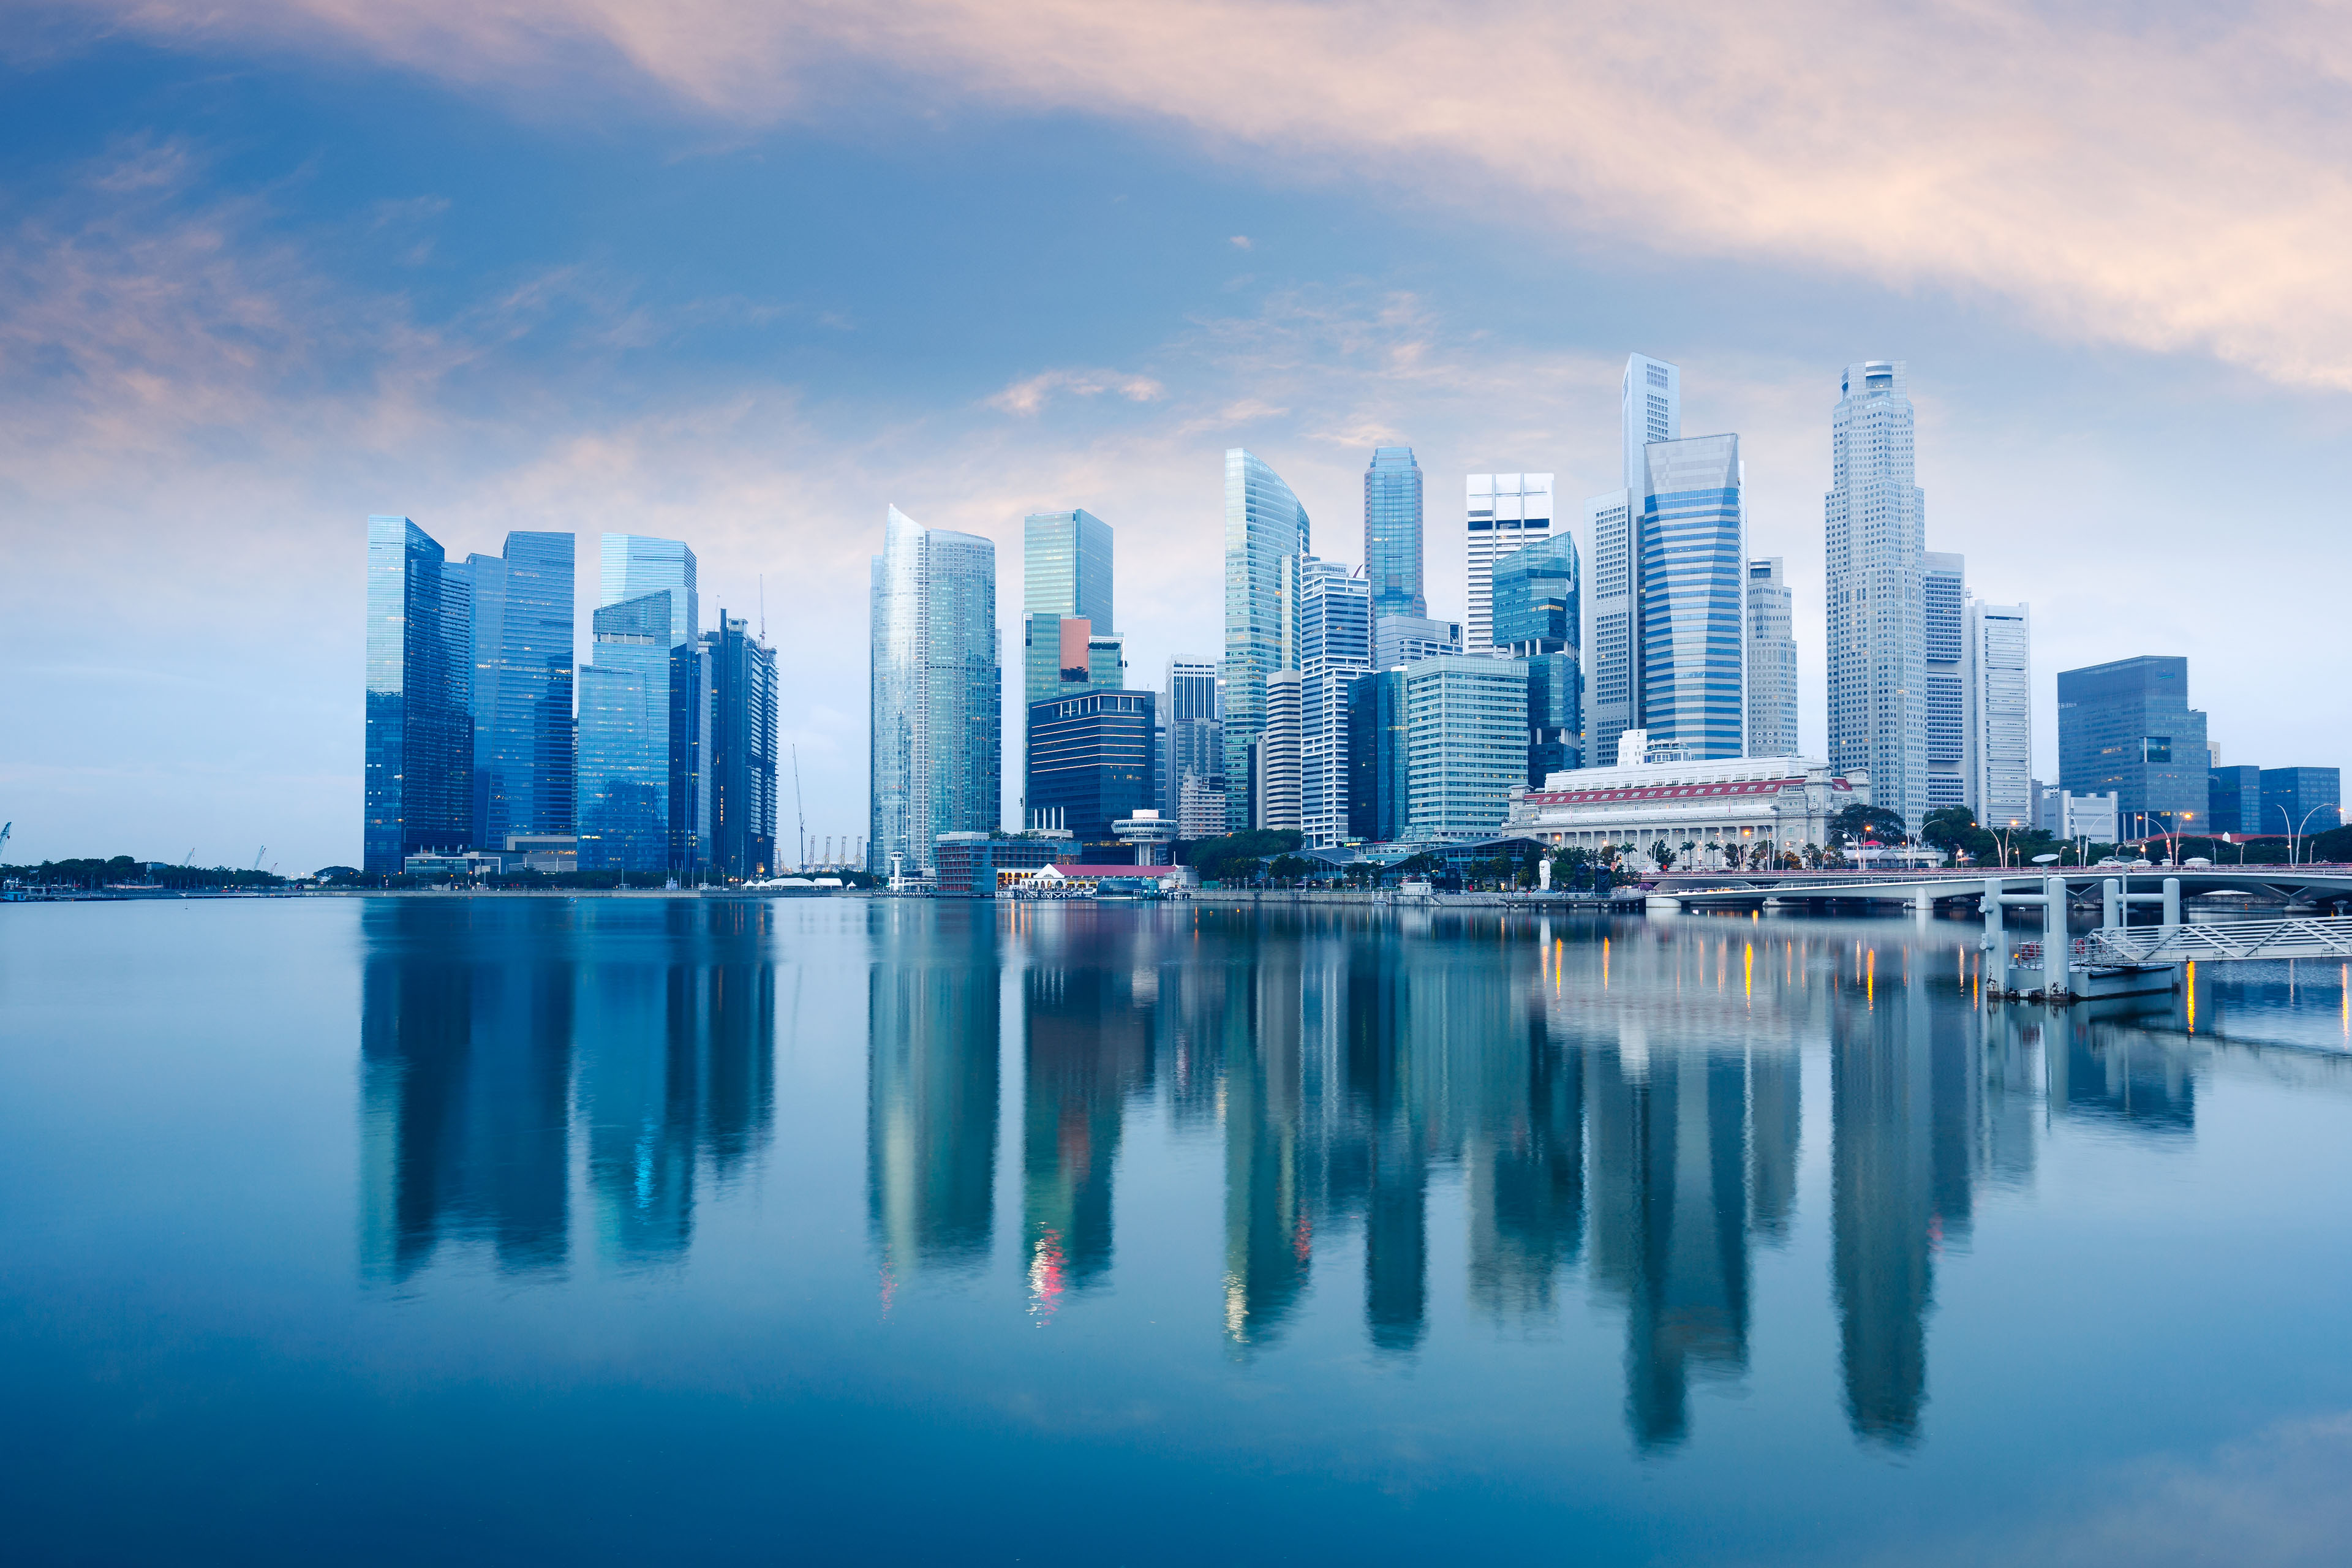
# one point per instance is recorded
(1875, 530)
(938, 692)
(2001, 713)
(742, 752)
(1465, 723)
(1651, 410)
(1538, 599)
(1265, 531)
(1335, 646)
(1276, 775)
(1065, 577)
(1555, 716)
(1694, 573)
(1392, 532)
(1376, 756)
(2301, 800)
(1189, 712)
(522, 634)
(1614, 653)
(2233, 800)
(633, 566)
(1943, 604)
(623, 773)
(420, 743)
(1771, 660)
(1401, 639)
(1092, 760)
(2127, 727)
(1506, 512)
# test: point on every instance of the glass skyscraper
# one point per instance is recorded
(1614, 654)
(1876, 533)
(1070, 643)
(2001, 713)
(420, 744)
(1266, 529)
(626, 712)
(1539, 599)
(742, 752)
(1694, 605)
(2127, 727)
(1092, 760)
(936, 736)
(633, 566)
(1335, 646)
(522, 660)
(1392, 532)
(1771, 661)
(1465, 733)
(1505, 512)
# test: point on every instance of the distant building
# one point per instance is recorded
(976, 864)
(420, 743)
(2127, 727)
(1335, 646)
(1392, 532)
(1200, 807)
(1782, 803)
(523, 657)
(1190, 716)
(1875, 533)
(1651, 412)
(1693, 569)
(1538, 599)
(742, 752)
(1401, 639)
(2071, 817)
(1555, 717)
(1771, 660)
(625, 712)
(2233, 800)
(1091, 759)
(1266, 528)
(1376, 757)
(1465, 727)
(1069, 640)
(937, 694)
(1275, 782)
(2001, 713)
(1506, 512)
(2301, 800)
(1943, 598)
(632, 567)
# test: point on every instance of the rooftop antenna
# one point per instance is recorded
(797, 810)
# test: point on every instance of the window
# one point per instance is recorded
(2156, 749)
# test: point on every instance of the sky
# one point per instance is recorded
(748, 274)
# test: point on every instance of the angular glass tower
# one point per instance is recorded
(1694, 604)
(420, 753)
(742, 752)
(625, 738)
(1266, 529)
(938, 692)
(1651, 399)
(2127, 727)
(1392, 532)
(522, 659)
(1505, 512)
(635, 565)
(1539, 599)
(1069, 643)
(1877, 645)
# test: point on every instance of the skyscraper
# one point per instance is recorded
(2001, 713)
(1092, 760)
(1465, 725)
(1694, 571)
(625, 718)
(1065, 576)
(1877, 532)
(1266, 529)
(742, 752)
(1650, 410)
(938, 691)
(1538, 599)
(1335, 646)
(1505, 512)
(522, 634)
(2127, 727)
(420, 752)
(1401, 639)
(1376, 756)
(1943, 601)
(1392, 532)
(1277, 755)
(633, 566)
(1190, 711)
(1771, 661)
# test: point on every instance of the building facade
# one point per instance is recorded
(1504, 512)
(1335, 646)
(624, 772)
(1092, 760)
(1538, 599)
(1376, 757)
(1650, 410)
(1465, 732)
(2301, 800)
(1775, 804)
(2001, 713)
(1401, 639)
(937, 693)
(1875, 533)
(1943, 608)
(2233, 800)
(635, 566)
(1612, 647)
(1555, 717)
(1266, 530)
(1276, 779)
(522, 658)
(2127, 729)
(1694, 576)
(1191, 717)
(419, 763)
(1771, 660)
(978, 865)
(742, 752)
(1392, 532)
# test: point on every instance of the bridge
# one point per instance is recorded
(2315, 885)
(2187, 943)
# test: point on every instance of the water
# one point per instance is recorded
(627, 1231)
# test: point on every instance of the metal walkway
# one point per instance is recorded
(2247, 940)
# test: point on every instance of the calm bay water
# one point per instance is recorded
(504, 1230)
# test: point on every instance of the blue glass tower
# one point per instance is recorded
(1266, 528)
(635, 565)
(625, 739)
(938, 693)
(1392, 532)
(522, 661)
(1539, 598)
(1092, 760)
(419, 765)
(1692, 607)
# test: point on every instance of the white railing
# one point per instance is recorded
(2243, 939)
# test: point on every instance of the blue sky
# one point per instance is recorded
(746, 275)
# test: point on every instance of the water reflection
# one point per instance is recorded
(1623, 1110)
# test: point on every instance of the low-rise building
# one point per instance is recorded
(1783, 802)
(976, 865)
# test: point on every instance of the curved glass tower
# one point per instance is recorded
(1264, 527)
(938, 693)
(1692, 601)
(1392, 517)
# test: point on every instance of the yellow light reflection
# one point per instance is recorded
(1870, 979)
(2192, 995)
(1748, 973)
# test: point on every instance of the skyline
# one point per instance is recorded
(241, 314)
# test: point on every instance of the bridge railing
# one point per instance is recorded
(2238, 940)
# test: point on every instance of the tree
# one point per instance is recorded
(1858, 822)
(1662, 855)
(1290, 867)
(1954, 830)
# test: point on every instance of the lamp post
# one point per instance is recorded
(2294, 829)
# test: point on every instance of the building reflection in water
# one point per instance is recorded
(486, 1041)
(932, 1017)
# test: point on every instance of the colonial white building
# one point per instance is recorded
(1783, 802)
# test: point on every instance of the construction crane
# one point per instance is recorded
(189, 859)
(801, 864)
(258, 854)
(5, 827)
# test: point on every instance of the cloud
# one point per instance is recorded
(1029, 397)
(1240, 242)
(2163, 179)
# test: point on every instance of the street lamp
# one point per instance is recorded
(2294, 829)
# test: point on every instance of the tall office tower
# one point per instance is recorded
(2001, 713)
(1613, 521)
(1266, 528)
(1538, 599)
(1091, 759)
(1335, 646)
(1694, 616)
(1771, 661)
(1376, 756)
(1506, 512)
(1196, 744)
(1466, 724)
(937, 694)
(2301, 800)
(2233, 800)
(635, 565)
(1877, 532)
(1651, 410)
(2127, 727)
(1392, 532)
(522, 636)
(627, 715)
(1276, 775)
(1066, 574)
(1555, 716)
(1401, 639)
(420, 751)
(1943, 604)
(742, 752)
